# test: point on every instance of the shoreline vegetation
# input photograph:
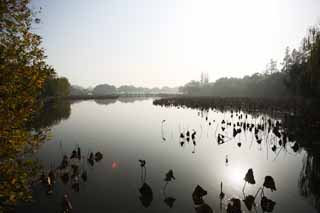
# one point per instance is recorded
(84, 97)
(293, 107)
(110, 96)
(300, 116)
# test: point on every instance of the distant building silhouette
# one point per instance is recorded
(204, 78)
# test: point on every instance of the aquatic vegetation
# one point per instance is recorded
(198, 194)
(269, 183)
(267, 205)
(221, 195)
(84, 176)
(199, 205)
(234, 206)
(98, 156)
(259, 131)
(290, 108)
(146, 195)
(169, 201)
(142, 163)
(169, 176)
(66, 204)
(249, 202)
(249, 178)
(70, 172)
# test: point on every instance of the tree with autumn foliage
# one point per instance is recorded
(23, 73)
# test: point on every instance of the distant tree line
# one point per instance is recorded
(299, 76)
(106, 89)
(256, 85)
(78, 90)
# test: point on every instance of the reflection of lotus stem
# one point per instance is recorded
(215, 132)
(266, 138)
(143, 174)
(165, 186)
(162, 134)
(200, 132)
(245, 135)
(267, 146)
(262, 191)
(61, 148)
(251, 141)
(257, 193)
(164, 193)
(244, 186)
(278, 153)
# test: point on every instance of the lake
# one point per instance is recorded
(128, 130)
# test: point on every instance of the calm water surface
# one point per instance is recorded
(126, 131)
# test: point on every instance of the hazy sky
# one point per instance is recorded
(169, 42)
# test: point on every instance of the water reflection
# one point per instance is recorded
(132, 99)
(267, 205)
(249, 201)
(234, 206)
(146, 194)
(208, 155)
(52, 113)
(277, 134)
(105, 101)
(66, 204)
(309, 178)
(200, 205)
(169, 201)
(72, 172)
(221, 196)
(235, 127)
(162, 131)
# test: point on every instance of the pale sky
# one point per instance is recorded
(169, 42)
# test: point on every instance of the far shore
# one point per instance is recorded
(112, 96)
